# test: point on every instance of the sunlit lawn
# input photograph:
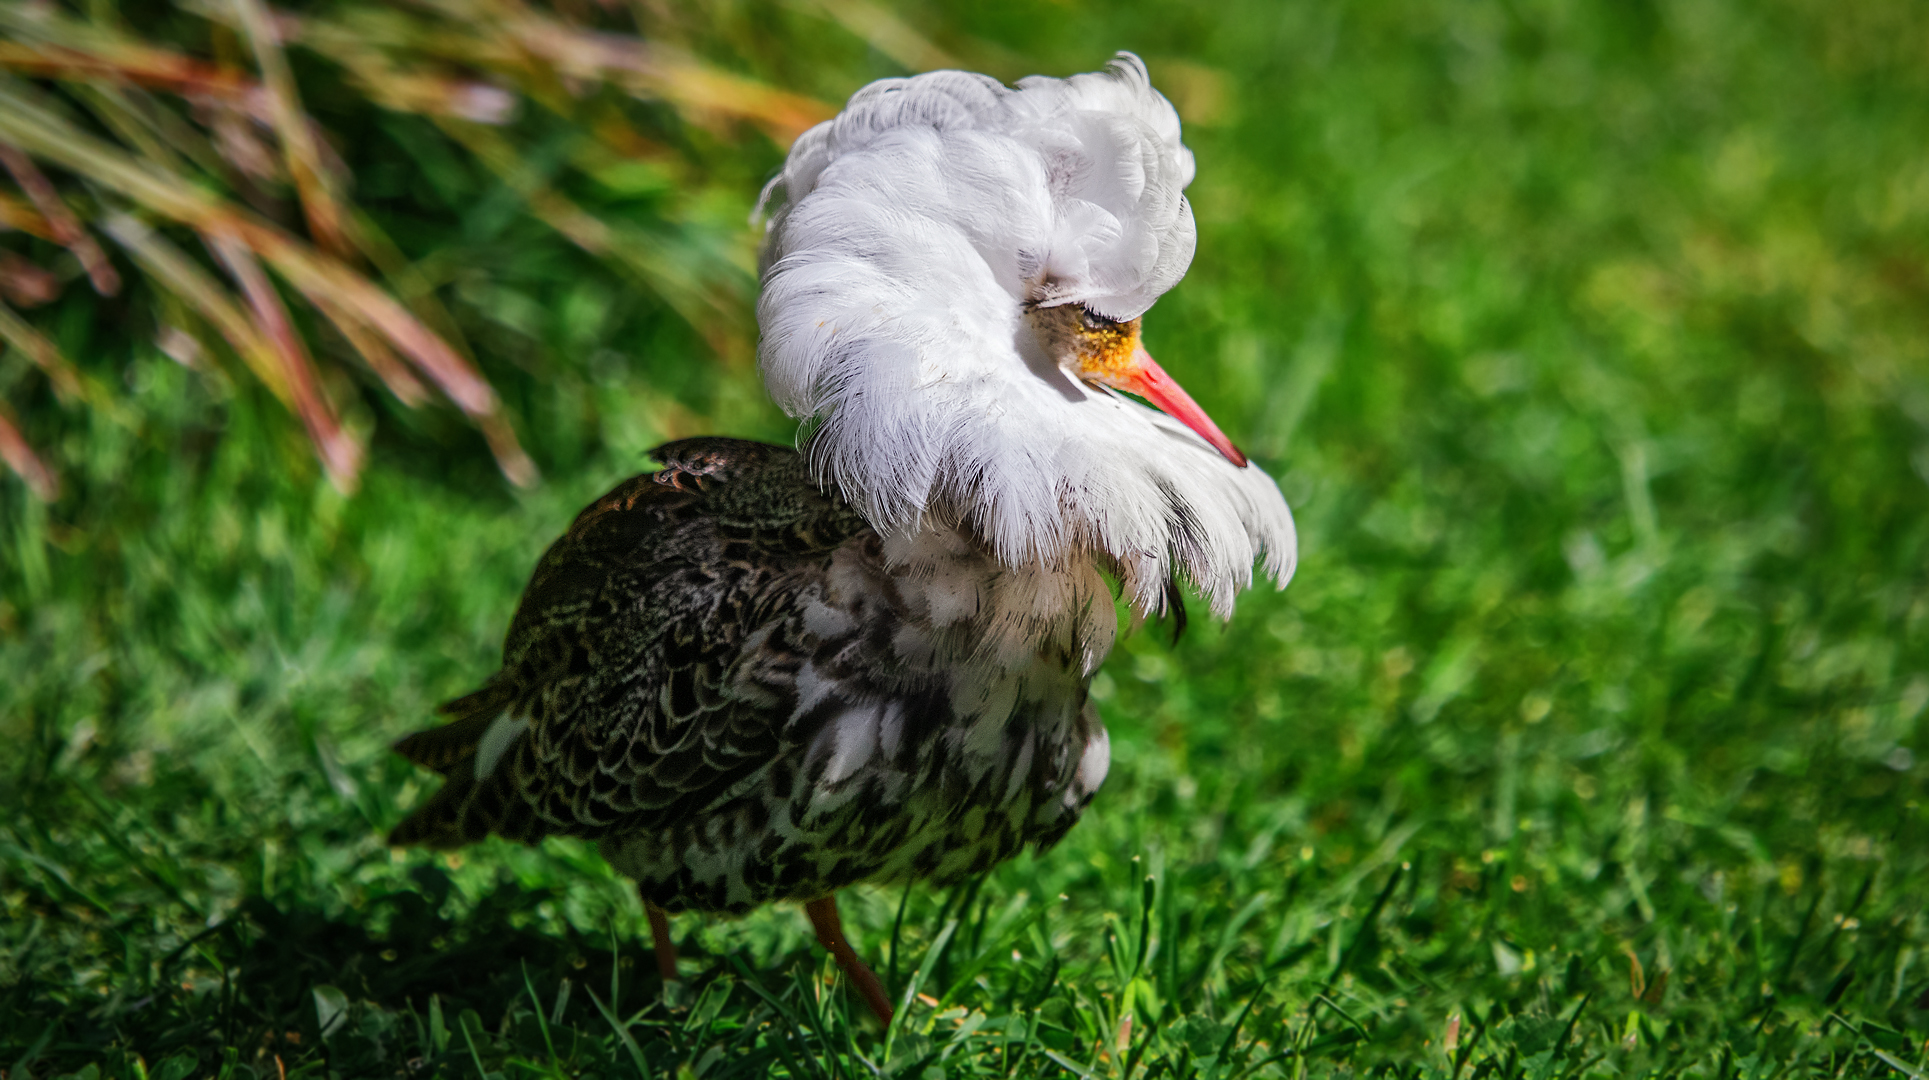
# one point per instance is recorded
(1590, 344)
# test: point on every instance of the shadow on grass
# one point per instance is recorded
(394, 986)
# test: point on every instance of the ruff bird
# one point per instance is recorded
(762, 674)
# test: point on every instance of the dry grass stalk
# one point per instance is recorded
(319, 200)
(25, 283)
(156, 69)
(344, 291)
(22, 460)
(340, 454)
(466, 64)
(18, 214)
(17, 332)
(60, 220)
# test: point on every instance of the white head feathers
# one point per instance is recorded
(916, 229)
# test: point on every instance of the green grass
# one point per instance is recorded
(1590, 342)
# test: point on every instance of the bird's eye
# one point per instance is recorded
(1092, 320)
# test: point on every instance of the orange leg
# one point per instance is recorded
(660, 937)
(830, 934)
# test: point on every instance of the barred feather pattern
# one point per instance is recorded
(745, 694)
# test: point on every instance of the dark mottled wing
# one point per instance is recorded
(650, 665)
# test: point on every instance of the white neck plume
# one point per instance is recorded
(913, 235)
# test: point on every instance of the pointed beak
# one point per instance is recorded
(1143, 376)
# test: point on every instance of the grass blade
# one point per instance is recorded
(15, 214)
(22, 460)
(622, 1034)
(41, 44)
(693, 297)
(340, 454)
(26, 283)
(171, 268)
(651, 69)
(536, 1005)
(322, 279)
(1367, 931)
(44, 134)
(66, 228)
(888, 34)
(19, 333)
(376, 353)
(925, 967)
(1069, 1065)
(326, 221)
(327, 282)
(1900, 1065)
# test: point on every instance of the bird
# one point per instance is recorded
(763, 673)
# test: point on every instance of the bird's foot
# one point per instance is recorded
(830, 934)
(660, 939)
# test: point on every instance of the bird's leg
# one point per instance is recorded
(660, 938)
(830, 934)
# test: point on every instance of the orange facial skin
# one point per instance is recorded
(1109, 352)
(1105, 348)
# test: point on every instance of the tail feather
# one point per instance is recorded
(446, 747)
(442, 748)
(466, 809)
(438, 823)
(490, 699)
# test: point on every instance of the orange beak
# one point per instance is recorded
(1143, 376)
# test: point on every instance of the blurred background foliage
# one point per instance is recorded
(409, 128)
(1589, 341)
